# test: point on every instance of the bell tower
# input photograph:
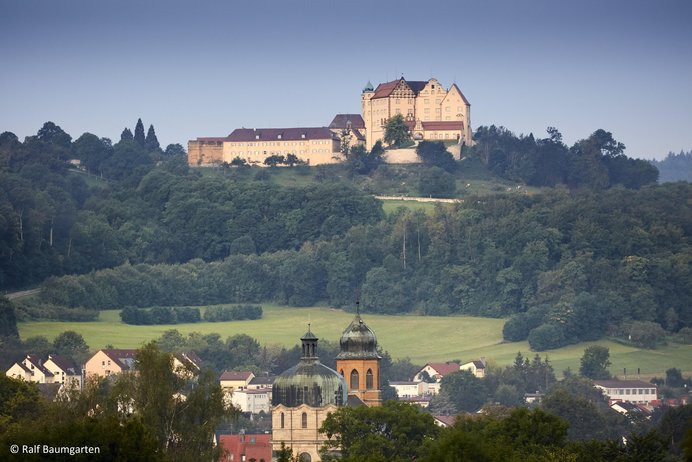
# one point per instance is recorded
(359, 363)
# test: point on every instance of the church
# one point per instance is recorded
(305, 394)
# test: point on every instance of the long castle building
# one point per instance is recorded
(430, 111)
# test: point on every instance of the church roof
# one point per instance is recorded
(340, 121)
(358, 341)
(291, 134)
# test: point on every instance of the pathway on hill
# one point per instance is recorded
(21, 293)
(420, 199)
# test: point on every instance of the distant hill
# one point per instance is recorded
(675, 167)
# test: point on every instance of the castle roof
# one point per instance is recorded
(383, 90)
(341, 121)
(291, 134)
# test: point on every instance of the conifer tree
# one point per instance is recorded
(151, 142)
(139, 132)
(126, 135)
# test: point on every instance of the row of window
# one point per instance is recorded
(631, 391)
(283, 143)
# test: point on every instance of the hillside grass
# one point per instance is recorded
(472, 178)
(421, 338)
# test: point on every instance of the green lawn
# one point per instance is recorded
(422, 338)
(391, 205)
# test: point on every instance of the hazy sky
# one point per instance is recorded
(201, 68)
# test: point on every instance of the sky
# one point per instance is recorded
(203, 68)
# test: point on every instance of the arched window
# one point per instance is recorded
(354, 380)
(305, 457)
(368, 380)
(282, 420)
(341, 372)
(304, 420)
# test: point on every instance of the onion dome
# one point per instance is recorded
(358, 341)
(368, 87)
(309, 382)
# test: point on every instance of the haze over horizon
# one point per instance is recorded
(206, 68)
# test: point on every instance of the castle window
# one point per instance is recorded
(304, 420)
(368, 380)
(283, 421)
(354, 380)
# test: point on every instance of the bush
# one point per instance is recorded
(546, 337)
(645, 334)
(435, 182)
(517, 327)
(232, 313)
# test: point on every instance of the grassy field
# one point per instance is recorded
(421, 338)
(391, 205)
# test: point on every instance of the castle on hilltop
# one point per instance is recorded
(430, 111)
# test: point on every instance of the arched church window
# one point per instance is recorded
(305, 457)
(341, 372)
(304, 420)
(354, 380)
(282, 420)
(369, 380)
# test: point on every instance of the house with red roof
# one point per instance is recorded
(244, 448)
(436, 371)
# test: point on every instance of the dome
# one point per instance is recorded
(309, 382)
(368, 87)
(358, 341)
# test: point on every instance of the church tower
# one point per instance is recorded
(359, 363)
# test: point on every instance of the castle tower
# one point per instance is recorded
(359, 363)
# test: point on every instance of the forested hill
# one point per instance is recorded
(579, 262)
(675, 167)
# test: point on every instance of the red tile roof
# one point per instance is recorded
(273, 134)
(444, 368)
(256, 447)
(443, 125)
(383, 90)
(447, 420)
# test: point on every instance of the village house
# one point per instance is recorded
(408, 389)
(109, 361)
(476, 367)
(65, 370)
(31, 369)
(436, 371)
(253, 401)
(187, 364)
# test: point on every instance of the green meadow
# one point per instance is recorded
(421, 338)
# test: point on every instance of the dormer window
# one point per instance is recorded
(278, 136)
(303, 136)
(256, 137)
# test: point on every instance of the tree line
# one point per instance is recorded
(570, 266)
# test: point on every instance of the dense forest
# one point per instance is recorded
(602, 254)
(675, 167)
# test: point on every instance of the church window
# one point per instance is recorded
(354, 380)
(305, 457)
(369, 380)
(304, 420)
(283, 420)
(341, 372)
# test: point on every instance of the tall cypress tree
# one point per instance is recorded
(139, 133)
(151, 142)
(126, 135)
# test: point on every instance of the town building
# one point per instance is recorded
(235, 380)
(632, 391)
(407, 389)
(245, 448)
(252, 401)
(110, 361)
